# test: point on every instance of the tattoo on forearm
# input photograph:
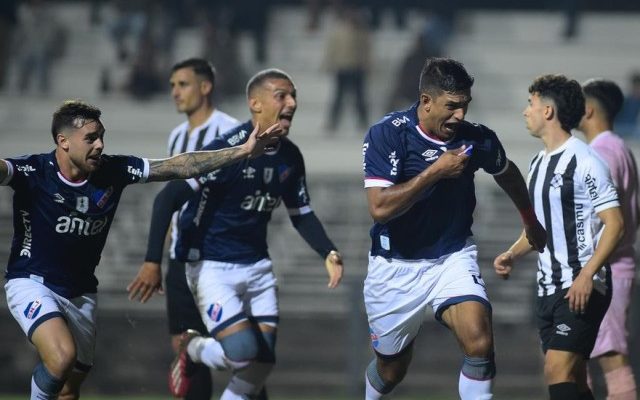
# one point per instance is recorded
(188, 165)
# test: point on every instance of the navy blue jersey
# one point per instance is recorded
(227, 219)
(396, 150)
(60, 227)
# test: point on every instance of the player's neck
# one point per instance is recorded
(199, 116)
(554, 139)
(68, 169)
(595, 129)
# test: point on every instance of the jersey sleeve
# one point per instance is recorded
(20, 171)
(598, 184)
(296, 196)
(493, 158)
(382, 153)
(130, 169)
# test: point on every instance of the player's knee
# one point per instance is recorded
(60, 360)
(240, 346)
(478, 342)
(385, 379)
(46, 381)
(479, 368)
(267, 347)
(557, 371)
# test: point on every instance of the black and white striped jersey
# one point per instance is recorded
(181, 141)
(568, 187)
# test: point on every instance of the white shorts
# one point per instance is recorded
(397, 293)
(32, 303)
(227, 293)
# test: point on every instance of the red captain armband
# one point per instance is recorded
(528, 216)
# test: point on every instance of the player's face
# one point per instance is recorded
(534, 114)
(189, 91)
(445, 112)
(276, 102)
(84, 146)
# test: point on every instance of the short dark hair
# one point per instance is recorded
(607, 93)
(264, 75)
(73, 114)
(440, 74)
(566, 94)
(200, 67)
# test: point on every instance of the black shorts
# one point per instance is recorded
(182, 311)
(562, 329)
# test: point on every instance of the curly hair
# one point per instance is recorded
(565, 93)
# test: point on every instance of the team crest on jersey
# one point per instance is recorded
(249, 172)
(215, 312)
(82, 204)
(556, 181)
(267, 175)
(33, 309)
(103, 197)
(283, 172)
(430, 155)
(374, 338)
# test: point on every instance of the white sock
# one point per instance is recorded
(207, 351)
(471, 389)
(38, 394)
(370, 392)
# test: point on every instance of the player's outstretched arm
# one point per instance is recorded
(149, 278)
(312, 231)
(512, 182)
(504, 263)
(191, 164)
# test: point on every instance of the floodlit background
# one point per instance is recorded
(117, 55)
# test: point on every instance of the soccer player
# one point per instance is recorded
(603, 101)
(222, 237)
(192, 86)
(419, 167)
(576, 201)
(64, 204)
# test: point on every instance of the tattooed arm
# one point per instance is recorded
(187, 165)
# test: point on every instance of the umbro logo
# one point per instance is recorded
(58, 198)
(430, 155)
(563, 329)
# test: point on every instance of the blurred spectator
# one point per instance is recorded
(431, 41)
(129, 25)
(347, 57)
(627, 123)
(144, 79)
(376, 7)
(8, 19)
(221, 48)
(252, 16)
(41, 39)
